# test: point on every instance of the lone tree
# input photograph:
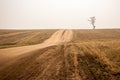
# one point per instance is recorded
(92, 21)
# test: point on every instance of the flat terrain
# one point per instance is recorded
(62, 55)
(14, 38)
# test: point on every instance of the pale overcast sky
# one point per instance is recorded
(36, 14)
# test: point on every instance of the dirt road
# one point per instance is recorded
(19, 59)
(59, 37)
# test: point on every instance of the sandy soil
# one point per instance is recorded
(58, 37)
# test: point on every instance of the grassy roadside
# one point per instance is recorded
(97, 53)
(14, 38)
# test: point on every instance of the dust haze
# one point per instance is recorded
(59, 14)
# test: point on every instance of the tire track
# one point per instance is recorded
(55, 39)
(38, 62)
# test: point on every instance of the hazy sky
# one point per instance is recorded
(29, 14)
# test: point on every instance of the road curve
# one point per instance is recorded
(59, 37)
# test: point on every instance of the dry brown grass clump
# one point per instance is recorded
(98, 54)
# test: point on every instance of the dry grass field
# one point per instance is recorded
(71, 55)
(13, 38)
